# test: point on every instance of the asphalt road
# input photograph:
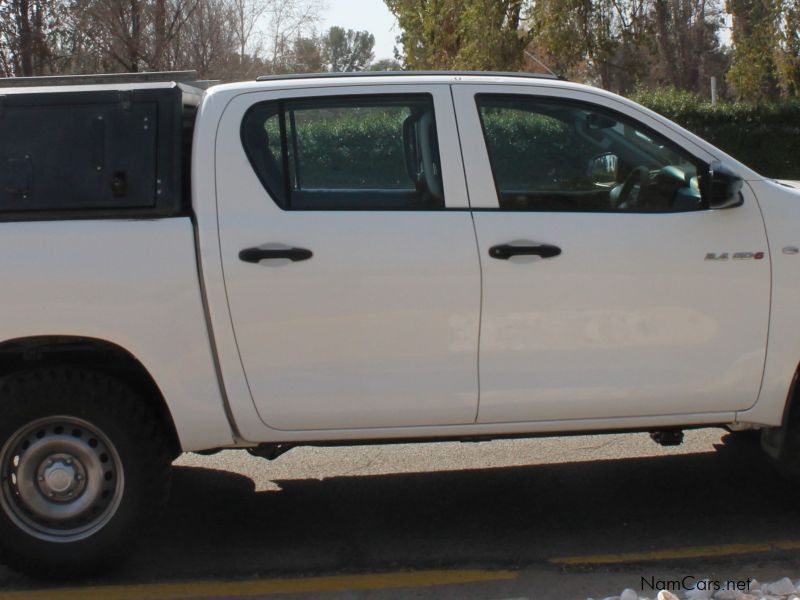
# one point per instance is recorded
(548, 518)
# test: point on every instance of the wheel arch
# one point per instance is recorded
(24, 353)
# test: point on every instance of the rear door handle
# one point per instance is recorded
(506, 251)
(256, 255)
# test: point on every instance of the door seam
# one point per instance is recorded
(477, 250)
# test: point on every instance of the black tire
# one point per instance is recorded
(113, 433)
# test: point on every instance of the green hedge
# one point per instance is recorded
(527, 149)
(366, 150)
(765, 137)
(363, 150)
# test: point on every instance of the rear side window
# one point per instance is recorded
(347, 153)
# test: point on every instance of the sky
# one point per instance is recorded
(371, 15)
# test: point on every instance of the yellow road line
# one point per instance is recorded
(677, 553)
(263, 587)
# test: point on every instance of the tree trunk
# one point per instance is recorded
(25, 53)
(665, 46)
(136, 37)
(157, 62)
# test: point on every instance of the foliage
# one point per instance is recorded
(334, 152)
(764, 136)
(765, 49)
(462, 34)
(288, 21)
(385, 64)
(347, 50)
(527, 148)
(130, 35)
(788, 60)
(306, 56)
(670, 101)
(221, 39)
(686, 49)
(753, 73)
(30, 32)
(621, 43)
(334, 146)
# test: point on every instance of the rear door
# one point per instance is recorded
(606, 292)
(349, 256)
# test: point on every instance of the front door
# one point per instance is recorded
(605, 289)
(353, 284)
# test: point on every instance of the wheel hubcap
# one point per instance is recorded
(61, 479)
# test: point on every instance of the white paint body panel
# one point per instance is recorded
(781, 208)
(380, 327)
(629, 320)
(377, 336)
(606, 407)
(132, 283)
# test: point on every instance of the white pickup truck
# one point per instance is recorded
(356, 259)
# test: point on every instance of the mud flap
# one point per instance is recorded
(782, 444)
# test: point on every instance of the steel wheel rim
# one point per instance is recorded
(61, 479)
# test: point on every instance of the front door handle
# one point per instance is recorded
(506, 251)
(256, 255)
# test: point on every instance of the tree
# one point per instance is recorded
(788, 59)
(606, 40)
(385, 64)
(562, 37)
(307, 55)
(241, 39)
(245, 17)
(207, 42)
(28, 36)
(462, 34)
(688, 50)
(626, 44)
(754, 72)
(347, 50)
(288, 21)
(137, 34)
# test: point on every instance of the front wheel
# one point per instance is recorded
(83, 467)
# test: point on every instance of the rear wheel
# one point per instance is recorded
(83, 467)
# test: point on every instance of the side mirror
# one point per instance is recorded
(604, 169)
(724, 187)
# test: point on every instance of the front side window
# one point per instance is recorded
(347, 153)
(553, 155)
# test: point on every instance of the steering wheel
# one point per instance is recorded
(636, 177)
